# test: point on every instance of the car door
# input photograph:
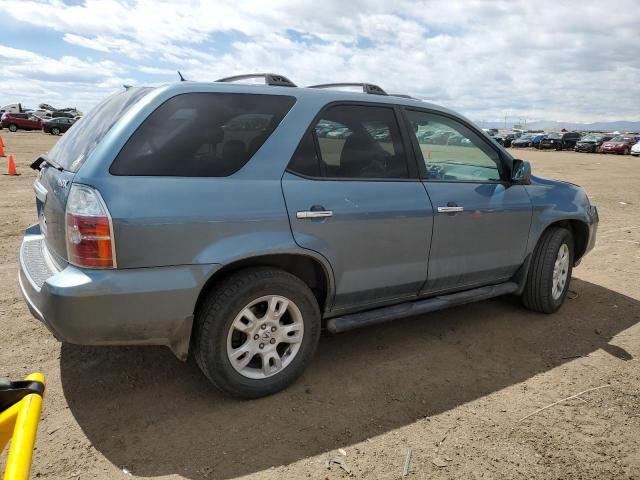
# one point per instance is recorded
(482, 221)
(32, 123)
(355, 197)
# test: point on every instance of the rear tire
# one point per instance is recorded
(13, 127)
(55, 131)
(549, 274)
(268, 313)
(626, 151)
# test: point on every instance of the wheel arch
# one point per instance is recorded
(312, 271)
(580, 232)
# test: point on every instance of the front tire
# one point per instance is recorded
(13, 128)
(55, 131)
(256, 331)
(550, 271)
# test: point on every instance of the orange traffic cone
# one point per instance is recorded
(11, 169)
(2, 150)
(1, 142)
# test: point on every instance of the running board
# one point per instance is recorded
(408, 309)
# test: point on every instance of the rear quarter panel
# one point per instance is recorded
(163, 220)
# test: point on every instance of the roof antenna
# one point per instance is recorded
(126, 87)
(182, 79)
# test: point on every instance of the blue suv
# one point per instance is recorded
(234, 222)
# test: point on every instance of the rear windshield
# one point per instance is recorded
(201, 135)
(77, 144)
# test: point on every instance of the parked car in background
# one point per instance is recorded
(522, 142)
(159, 226)
(56, 126)
(455, 139)
(490, 131)
(59, 114)
(620, 144)
(43, 114)
(635, 150)
(592, 142)
(510, 137)
(537, 139)
(437, 138)
(338, 133)
(560, 140)
(499, 139)
(20, 121)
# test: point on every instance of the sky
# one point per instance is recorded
(560, 60)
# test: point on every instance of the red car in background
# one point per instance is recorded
(20, 121)
(620, 144)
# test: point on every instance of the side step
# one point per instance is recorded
(408, 309)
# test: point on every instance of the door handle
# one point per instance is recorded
(314, 214)
(450, 209)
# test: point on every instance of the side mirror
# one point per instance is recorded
(521, 172)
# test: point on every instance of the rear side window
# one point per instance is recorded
(77, 144)
(355, 142)
(202, 135)
(305, 161)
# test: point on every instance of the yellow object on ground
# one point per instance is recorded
(18, 425)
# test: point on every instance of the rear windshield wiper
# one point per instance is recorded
(37, 165)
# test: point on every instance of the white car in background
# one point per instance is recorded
(635, 150)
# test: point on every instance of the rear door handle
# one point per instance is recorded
(451, 208)
(314, 214)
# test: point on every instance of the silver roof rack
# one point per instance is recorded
(366, 87)
(272, 79)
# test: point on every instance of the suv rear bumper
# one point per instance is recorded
(145, 306)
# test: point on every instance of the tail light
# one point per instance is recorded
(89, 229)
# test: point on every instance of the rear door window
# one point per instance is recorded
(355, 142)
(202, 135)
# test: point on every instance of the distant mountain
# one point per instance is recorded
(621, 126)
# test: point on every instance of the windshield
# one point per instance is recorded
(526, 137)
(555, 136)
(81, 139)
(620, 138)
(591, 138)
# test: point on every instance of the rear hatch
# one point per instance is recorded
(59, 166)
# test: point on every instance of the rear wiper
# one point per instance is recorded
(37, 165)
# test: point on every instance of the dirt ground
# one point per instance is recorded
(451, 386)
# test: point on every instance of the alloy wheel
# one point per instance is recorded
(560, 272)
(265, 337)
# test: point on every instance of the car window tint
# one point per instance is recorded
(201, 135)
(305, 160)
(361, 142)
(73, 149)
(451, 151)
